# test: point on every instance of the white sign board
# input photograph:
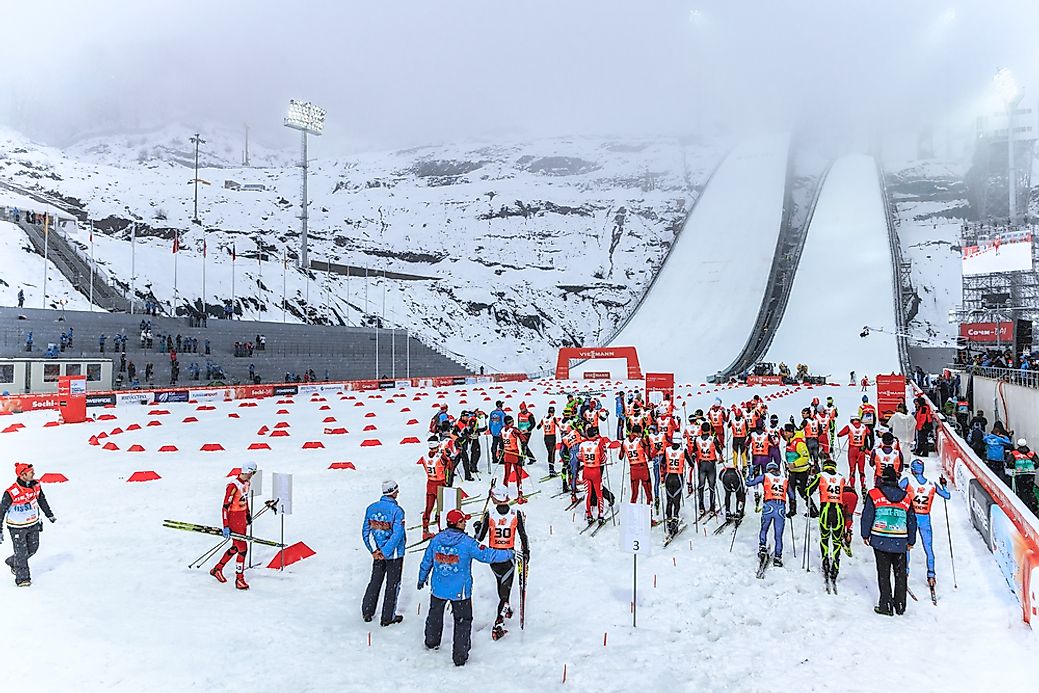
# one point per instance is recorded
(635, 528)
(282, 491)
(256, 483)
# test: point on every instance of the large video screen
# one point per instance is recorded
(998, 253)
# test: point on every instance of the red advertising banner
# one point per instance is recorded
(570, 354)
(596, 375)
(891, 391)
(660, 382)
(764, 380)
(987, 332)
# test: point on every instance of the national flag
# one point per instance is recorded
(176, 243)
(232, 252)
(203, 247)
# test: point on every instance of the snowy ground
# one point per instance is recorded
(24, 269)
(843, 281)
(114, 607)
(703, 304)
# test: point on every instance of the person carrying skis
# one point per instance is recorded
(383, 526)
(885, 456)
(798, 466)
(922, 491)
(20, 508)
(550, 425)
(591, 454)
(525, 424)
(868, 417)
(434, 463)
(447, 563)
(857, 435)
(833, 516)
(774, 512)
(512, 456)
(888, 525)
(635, 450)
(674, 472)
(739, 427)
(500, 525)
(236, 518)
(707, 454)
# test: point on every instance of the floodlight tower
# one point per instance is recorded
(309, 120)
(1011, 94)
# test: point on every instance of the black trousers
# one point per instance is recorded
(25, 541)
(474, 453)
(732, 482)
(462, 610)
(673, 489)
(504, 573)
(497, 446)
(550, 445)
(707, 478)
(886, 563)
(388, 569)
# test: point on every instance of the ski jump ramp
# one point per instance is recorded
(702, 307)
(844, 282)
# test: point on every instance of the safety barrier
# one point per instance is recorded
(35, 402)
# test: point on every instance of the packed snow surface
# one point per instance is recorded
(113, 605)
(843, 282)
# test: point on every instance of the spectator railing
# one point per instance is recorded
(1016, 376)
(901, 293)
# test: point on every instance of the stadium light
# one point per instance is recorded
(1011, 94)
(309, 120)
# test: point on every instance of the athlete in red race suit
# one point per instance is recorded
(236, 518)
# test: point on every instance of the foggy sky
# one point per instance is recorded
(393, 73)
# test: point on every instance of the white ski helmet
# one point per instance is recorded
(500, 494)
(249, 468)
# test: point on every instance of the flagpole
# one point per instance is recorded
(176, 251)
(92, 265)
(233, 258)
(203, 272)
(46, 242)
(284, 270)
(259, 278)
(133, 264)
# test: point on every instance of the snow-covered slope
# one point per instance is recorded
(702, 307)
(23, 269)
(931, 204)
(531, 246)
(844, 281)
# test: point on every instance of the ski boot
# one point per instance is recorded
(427, 535)
(777, 561)
(239, 581)
(589, 519)
(218, 573)
(688, 489)
(506, 612)
(762, 551)
(24, 583)
(396, 619)
(602, 521)
(672, 527)
(520, 499)
(930, 582)
(498, 632)
(757, 502)
(10, 565)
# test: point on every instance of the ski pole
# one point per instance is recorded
(734, 530)
(613, 514)
(197, 563)
(948, 531)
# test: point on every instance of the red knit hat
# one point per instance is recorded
(20, 467)
(455, 516)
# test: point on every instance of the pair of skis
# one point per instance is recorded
(764, 561)
(217, 531)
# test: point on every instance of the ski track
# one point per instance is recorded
(114, 607)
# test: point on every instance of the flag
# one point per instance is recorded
(203, 247)
(232, 252)
(176, 243)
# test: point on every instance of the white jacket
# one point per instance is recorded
(903, 426)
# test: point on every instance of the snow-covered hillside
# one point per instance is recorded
(529, 246)
(23, 269)
(931, 204)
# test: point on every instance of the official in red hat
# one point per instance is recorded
(20, 509)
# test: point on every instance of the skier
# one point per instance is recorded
(549, 425)
(732, 482)
(718, 417)
(738, 426)
(775, 485)
(674, 470)
(568, 457)
(832, 517)
(922, 493)
(512, 456)
(707, 453)
(591, 453)
(453, 452)
(812, 431)
(496, 422)
(885, 456)
(634, 448)
(868, 417)
(798, 465)
(500, 526)
(448, 562)
(763, 449)
(832, 414)
(435, 465)
(384, 526)
(857, 450)
(822, 420)
(236, 518)
(1022, 463)
(525, 424)
(889, 526)
(20, 509)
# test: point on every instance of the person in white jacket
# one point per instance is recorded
(903, 426)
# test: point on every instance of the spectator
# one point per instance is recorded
(21, 298)
(903, 426)
(101, 344)
(131, 371)
(997, 444)
(1022, 464)
(889, 528)
(980, 420)
(122, 362)
(207, 346)
(28, 341)
(383, 526)
(495, 423)
(924, 426)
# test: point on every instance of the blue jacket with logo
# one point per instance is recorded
(384, 525)
(893, 541)
(449, 557)
(496, 422)
(996, 447)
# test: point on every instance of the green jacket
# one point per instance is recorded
(797, 457)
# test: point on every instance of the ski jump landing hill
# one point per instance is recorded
(702, 307)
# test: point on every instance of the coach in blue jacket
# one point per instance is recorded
(383, 535)
(449, 558)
